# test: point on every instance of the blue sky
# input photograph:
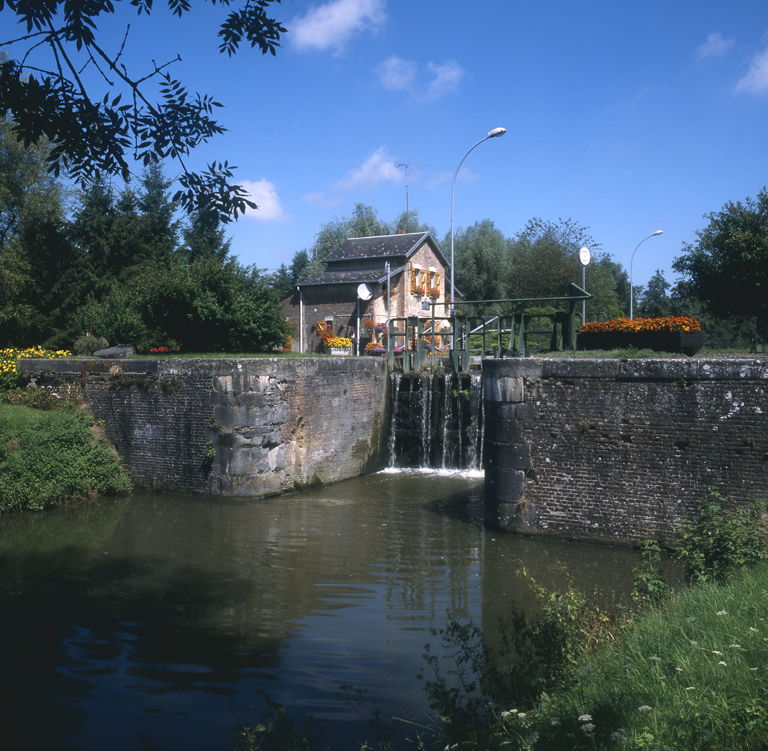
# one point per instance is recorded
(626, 117)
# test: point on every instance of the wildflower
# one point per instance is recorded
(715, 652)
(690, 688)
(585, 718)
(722, 612)
(753, 669)
(588, 728)
(655, 659)
(753, 630)
(723, 663)
(735, 646)
(644, 708)
(555, 722)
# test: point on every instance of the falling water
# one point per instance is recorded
(426, 382)
(476, 422)
(447, 411)
(437, 421)
(395, 381)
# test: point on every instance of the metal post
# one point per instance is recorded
(631, 263)
(493, 134)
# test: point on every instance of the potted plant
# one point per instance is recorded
(338, 345)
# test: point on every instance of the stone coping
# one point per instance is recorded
(640, 369)
(75, 366)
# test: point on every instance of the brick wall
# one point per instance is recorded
(619, 451)
(271, 424)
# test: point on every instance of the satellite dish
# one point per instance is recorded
(364, 292)
(584, 256)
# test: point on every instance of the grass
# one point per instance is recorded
(690, 674)
(50, 457)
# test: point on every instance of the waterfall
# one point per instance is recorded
(476, 422)
(436, 420)
(426, 418)
(447, 412)
(395, 380)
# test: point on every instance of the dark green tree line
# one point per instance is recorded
(121, 264)
(727, 268)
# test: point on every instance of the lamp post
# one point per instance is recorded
(631, 262)
(495, 133)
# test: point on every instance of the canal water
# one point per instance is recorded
(161, 616)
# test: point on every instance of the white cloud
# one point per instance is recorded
(756, 80)
(332, 25)
(430, 82)
(715, 46)
(321, 199)
(446, 78)
(378, 168)
(397, 74)
(264, 194)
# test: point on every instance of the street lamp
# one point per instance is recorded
(631, 261)
(495, 133)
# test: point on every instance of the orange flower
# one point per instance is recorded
(638, 325)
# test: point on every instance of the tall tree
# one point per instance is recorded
(364, 222)
(654, 301)
(483, 258)
(204, 237)
(727, 268)
(410, 222)
(96, 132)
(159, 229)
(33, 246)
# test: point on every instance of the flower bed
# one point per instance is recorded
(675, 334)
(9, 378)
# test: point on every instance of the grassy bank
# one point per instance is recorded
(50, 457)
(692, 673)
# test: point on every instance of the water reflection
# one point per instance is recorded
(162, 614)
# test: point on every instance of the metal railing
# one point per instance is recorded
(419, 342)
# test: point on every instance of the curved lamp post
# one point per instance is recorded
(631, 261)
(495, 133)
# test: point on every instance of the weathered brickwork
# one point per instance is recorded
(250, 427)
(617, 450)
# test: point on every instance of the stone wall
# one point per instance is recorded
(254, 426)
(620, 450)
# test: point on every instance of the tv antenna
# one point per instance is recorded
(407, 212)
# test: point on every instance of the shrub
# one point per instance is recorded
(48, 458)
(37, 398)
(88, 344)
(722, 540)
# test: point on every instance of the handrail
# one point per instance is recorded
(421, 336)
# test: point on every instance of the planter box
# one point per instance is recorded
(687, 342)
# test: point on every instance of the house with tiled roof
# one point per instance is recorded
(350, 297)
